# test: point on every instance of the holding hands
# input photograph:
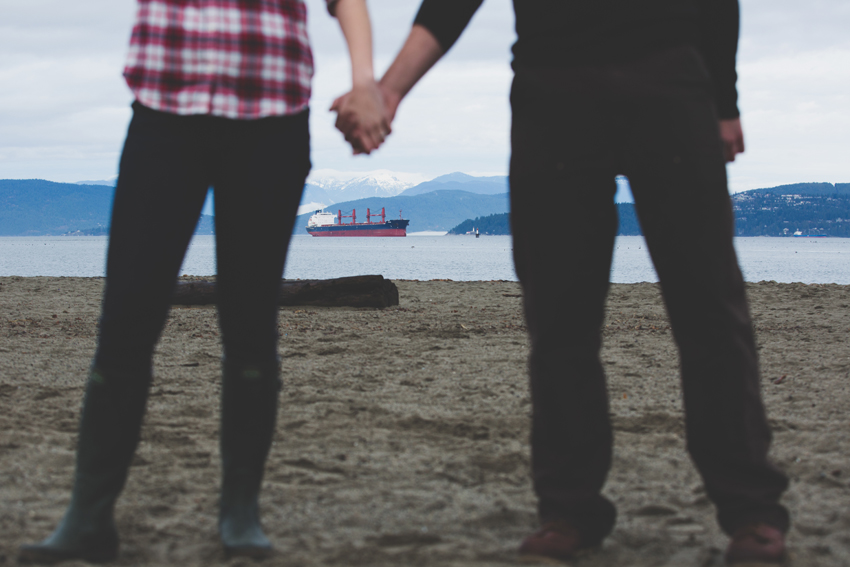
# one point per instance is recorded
(361, 114)
(362, 117)
(365, 114)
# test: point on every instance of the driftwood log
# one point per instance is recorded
(356, 291)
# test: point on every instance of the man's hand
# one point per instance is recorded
(361, 117)
(732, 137)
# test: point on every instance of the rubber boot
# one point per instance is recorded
(249, 399)
(111, 420)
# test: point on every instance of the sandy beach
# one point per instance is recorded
(403, 432)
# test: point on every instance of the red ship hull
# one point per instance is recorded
(362, 232)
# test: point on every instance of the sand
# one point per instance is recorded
(403, 432)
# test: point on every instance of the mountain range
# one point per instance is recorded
(331, 191)
(327, 191)
(35, 207)
(461, 182)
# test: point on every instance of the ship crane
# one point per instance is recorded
(369, 214)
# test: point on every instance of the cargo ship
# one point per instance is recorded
(323, 223)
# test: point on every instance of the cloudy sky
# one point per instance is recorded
(64, 107)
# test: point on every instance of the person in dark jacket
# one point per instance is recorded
(645, 89)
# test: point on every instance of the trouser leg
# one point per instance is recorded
(678, 179)
(161, 190)
(257, 191)
(258, 188)
(563, 222)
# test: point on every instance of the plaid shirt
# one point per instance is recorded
(242, 59)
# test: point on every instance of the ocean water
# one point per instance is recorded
(425, 257)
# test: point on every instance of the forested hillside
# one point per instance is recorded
(500, 224)
(808, 208)
(491, 224)
(34, 207)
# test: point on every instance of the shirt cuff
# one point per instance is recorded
(446, 20)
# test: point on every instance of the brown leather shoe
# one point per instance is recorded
(555, 542)
(756, 544)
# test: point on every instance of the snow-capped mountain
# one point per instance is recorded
(330, 190)
(376, 184)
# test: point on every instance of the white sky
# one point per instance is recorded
(64, 107)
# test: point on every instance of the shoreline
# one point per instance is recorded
(403, 433)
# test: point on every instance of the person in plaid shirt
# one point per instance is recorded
(221, 99)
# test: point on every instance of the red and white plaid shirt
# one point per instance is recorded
(242, 59)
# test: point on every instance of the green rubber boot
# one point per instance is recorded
(249, 399)
(111, 420)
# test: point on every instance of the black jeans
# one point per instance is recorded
(573, 131)
(257, 170)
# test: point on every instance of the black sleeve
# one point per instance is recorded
(446, 19)
(719, 22)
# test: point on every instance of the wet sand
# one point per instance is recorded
(403, 433)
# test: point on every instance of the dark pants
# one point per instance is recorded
(573, 131)
(257, 169)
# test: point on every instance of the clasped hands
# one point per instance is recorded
(365, 115)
